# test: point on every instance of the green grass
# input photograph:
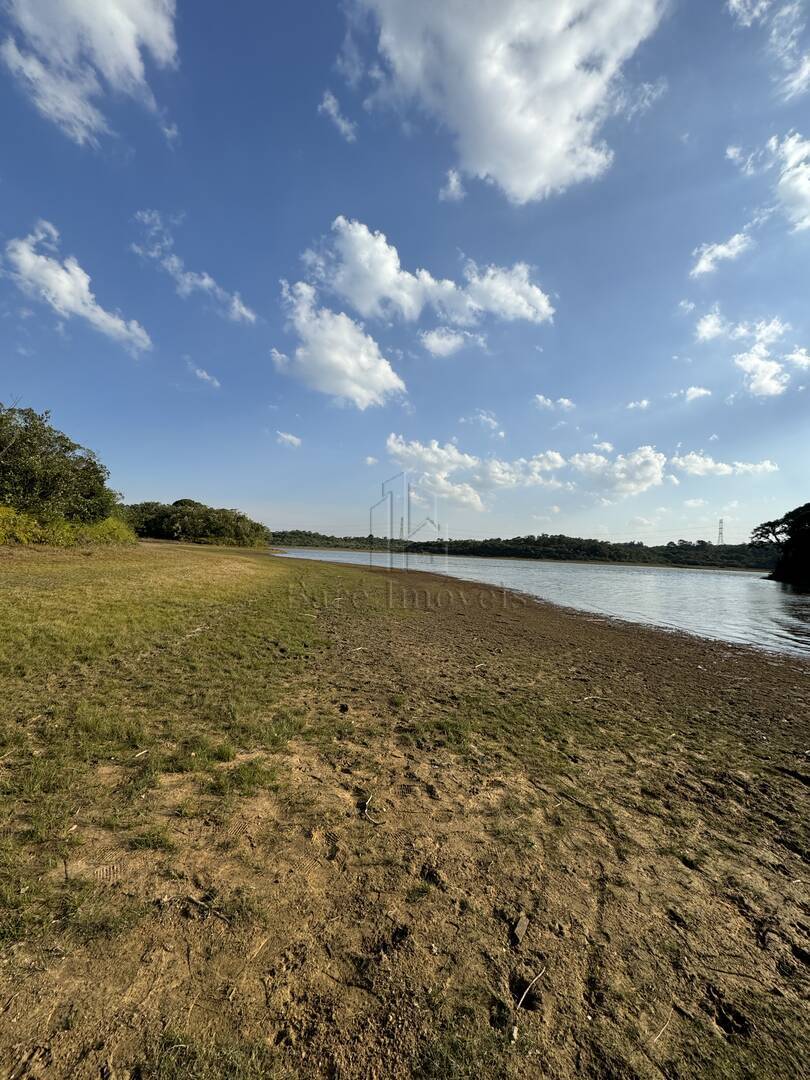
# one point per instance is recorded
(120, 669)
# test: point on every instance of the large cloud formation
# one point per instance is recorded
(524, 86)
(72, 52)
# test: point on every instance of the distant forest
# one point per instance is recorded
(761, 556)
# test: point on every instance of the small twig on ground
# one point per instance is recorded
(664, 1028)
(207, 907)
(250, 959)
(142, 752)
(528, 988)
(366, 814)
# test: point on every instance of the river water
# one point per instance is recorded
(726, 605)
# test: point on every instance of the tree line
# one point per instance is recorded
(754, 556)
(54, 491)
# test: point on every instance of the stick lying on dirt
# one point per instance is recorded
(366, 814)
(528, 988)
(523, 997)
(664, 1028)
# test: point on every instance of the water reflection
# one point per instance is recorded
(726, 605)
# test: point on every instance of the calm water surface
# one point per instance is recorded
(727, 605)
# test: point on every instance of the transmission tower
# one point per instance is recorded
(720, 538)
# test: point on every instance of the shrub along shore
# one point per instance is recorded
(264, 817)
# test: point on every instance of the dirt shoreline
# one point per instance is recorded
(440, 580)
(498, 838)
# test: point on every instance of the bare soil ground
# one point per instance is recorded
(373, 825)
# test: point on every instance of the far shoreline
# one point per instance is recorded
(760, 571)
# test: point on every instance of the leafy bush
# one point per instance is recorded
(17, 528)
(196, 523)
(45, 474)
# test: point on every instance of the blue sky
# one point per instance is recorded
(552, 258)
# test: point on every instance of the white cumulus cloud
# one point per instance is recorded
(626, 474)
(68, 55)
(764, 373)
(696, 463)
(543, 402)
(793, 185)
(711, 325)
(364, 269)
(799, 357)
(789, 159)
(38, 271)
(523, 86)
(335, 355)
(158, 246)
(442, 341)
(764, 376)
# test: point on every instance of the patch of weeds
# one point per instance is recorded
(48, 818)
(94, 730)
(272, 732)
(31, 909)
(451, 731)
(187, 809)
(241, 907)
(417, 892)
(180, 1058)
(155, 838)
(198, 753)
(516, 834)
(42, 775)
(462, 1051)
(101, 914)
(246, 778)
(143, 777)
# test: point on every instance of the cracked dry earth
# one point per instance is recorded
(534, 844)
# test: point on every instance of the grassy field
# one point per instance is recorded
(271, 818)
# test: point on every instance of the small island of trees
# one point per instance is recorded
(790, 535)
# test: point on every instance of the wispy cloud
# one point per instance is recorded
(286, 438)
(330, 106)
(158, 247)
(204, 376)
(707, 256)
(453, 189)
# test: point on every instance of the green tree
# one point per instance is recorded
(194, 522)
(45, 474)
(791, 536)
